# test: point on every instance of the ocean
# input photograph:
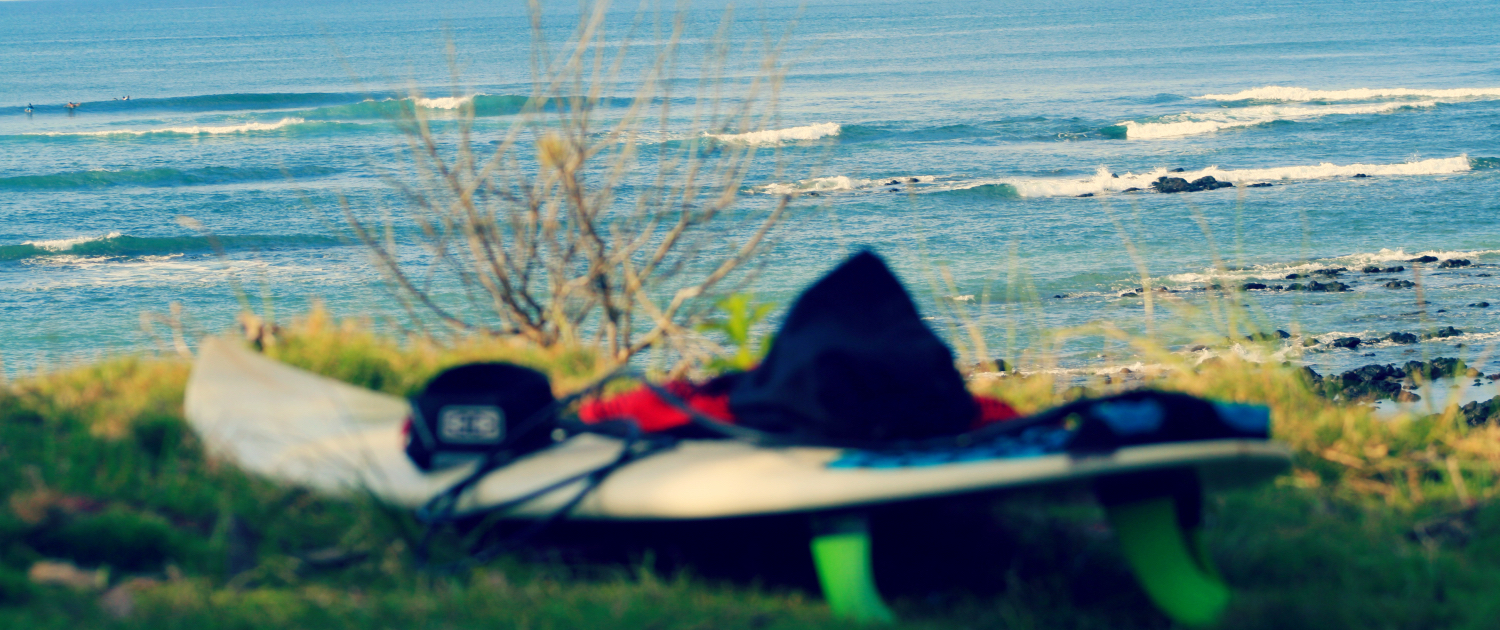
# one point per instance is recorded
(998, 140)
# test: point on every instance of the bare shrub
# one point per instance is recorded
(597, 221)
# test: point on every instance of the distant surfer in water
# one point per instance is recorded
(28, 108)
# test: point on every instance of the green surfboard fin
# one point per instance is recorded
(841, 553)
(1170, 562)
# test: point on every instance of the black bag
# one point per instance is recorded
(853, 361)
(471, 411)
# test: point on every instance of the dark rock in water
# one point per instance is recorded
(1441, 310)
(1371, 373)
(1311, 375)
(1423, 259)
(1453, 263)
(1331, 287)
(1058, 296)
(1130, 294)
(1086, 195)
(1480, 413)
(1295, 286)
(912, 180)
(1278, 287)
(1308, 342)
(1396, 269)
(1400, 284)
(894, 190)
(1370, 269)
(892, 182)
(1330, 272)
(1178, 184)
(1209, 183)
(1261, 185)
(1401, 337)
(1115, 175)
(1178, 170)
(813, 193)
(1252, 286)
(1294, 276)
(1480, 305)
(1437, 368)
(1346, 342)
(1197, 348)
(1270, 336)
(1360, 175)
(1171, 185)
(1444, 332)
(1131, 189)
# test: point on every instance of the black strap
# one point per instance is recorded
(765, 438)
(442, 509)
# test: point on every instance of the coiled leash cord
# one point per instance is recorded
(442, 509)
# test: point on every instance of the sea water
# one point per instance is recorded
(1013, 133)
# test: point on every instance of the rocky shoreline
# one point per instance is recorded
(1330, 282)
(1374, 382)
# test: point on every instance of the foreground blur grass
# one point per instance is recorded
(1380, 524)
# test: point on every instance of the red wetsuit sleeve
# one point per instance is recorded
(651, 413)
(992, 410)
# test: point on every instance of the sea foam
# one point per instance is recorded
(1296, 94)
(772, 136)
(1105, 181)
(1277, 271)
(1195, 123)
(450, 102)
(65, 244)
(841, 183)
(186, 131)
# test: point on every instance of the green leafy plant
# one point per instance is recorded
(741, 314)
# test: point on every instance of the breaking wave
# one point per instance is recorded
(482, 105)
(1353, 262)
(115, 244)
(841, 183)
(1195, 123)
(194, 130)
(157, 177)
(773, 136)
(1302, 95)
(1104, 181)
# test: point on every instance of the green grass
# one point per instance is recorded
(1379, 525)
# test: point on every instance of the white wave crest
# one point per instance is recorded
(449, 102)
(1295, 94)
(65, 244)
(772, 136)
(1104, 181)
(187, 131)
(1195, 123)
(1353, 262)
(839, 183)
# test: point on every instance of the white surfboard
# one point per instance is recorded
(298, 427)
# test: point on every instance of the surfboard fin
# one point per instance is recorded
(1163, 544)
(841, 553)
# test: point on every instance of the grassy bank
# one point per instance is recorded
(1380, 524)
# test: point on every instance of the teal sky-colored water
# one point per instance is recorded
(1022, 124)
